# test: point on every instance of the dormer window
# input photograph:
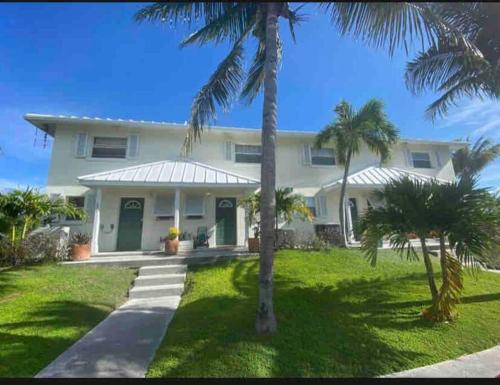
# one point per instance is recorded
(109, 147)
(421, 160)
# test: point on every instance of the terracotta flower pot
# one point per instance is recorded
(80, 252)
(253, 245)
(171, 246)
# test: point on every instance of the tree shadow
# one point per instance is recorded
(30, 345)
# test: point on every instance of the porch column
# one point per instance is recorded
(177, 204)
(349, 220)
(94, 245)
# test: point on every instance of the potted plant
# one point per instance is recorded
(80, 246)
(253, 243)
(172, 241)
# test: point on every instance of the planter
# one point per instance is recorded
(186, 245)
(80, 252)
(253, 245)
(171, 246)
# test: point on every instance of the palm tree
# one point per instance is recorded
(457, 67)
(288, 206)
(456, 212)
(349, 132)
(469, 161)
(389, 25)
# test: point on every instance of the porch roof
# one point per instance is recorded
(374, 176)
(168, 173)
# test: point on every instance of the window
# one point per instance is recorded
(245, 153)
(322, 156)
(311, 204)
(421, 159)
(194, 207)
(164, 206)
(108, 147)
(77, 201)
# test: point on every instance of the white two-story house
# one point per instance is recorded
(130, 179)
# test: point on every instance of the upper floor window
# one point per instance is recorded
(322, 156)
(109, 147)
(421, 159)
(246, 153)
(78, 202)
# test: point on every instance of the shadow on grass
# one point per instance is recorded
(323, 331)
(30, 345)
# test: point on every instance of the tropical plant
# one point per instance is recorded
(389, 25)
(469, 161)
(349, 132)
(173, 233)
(288, 206)
(27, 208)
(80, 239)
(457, 67)
(456, 212)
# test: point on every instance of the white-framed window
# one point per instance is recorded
(247, 153)
(109, 147)
(77, 201)
(322, 156)
(164, 206)
(194, 206)
(311, 204)
(421, 159)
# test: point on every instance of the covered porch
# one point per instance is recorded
(135, 206)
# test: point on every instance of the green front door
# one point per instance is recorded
(225, 218)
(130, 224)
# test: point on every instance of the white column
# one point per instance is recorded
(97, 223)
(177, 204)
(349, 220)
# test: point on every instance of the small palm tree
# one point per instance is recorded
(349, 132)
(456, 67)
(455, 212)
(288, 206)
(469, 161)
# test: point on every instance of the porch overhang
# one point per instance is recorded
(169, 173)
(377, 177)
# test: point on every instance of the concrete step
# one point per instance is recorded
(156, 291)
(159, 279)
(159, 270)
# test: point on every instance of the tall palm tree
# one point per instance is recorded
(456, 212)
(349, 132)
(389, 25)
(469, 161)
(458, 67)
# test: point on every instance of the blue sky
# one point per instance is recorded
(92, 59)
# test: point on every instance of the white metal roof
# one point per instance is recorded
(378, 176)
(46, 123)
(168, 173)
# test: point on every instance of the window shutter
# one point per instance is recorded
(306, 155)
(81, 140)
(228, 151)
(321, 204)
(438, 159)
(133, 146)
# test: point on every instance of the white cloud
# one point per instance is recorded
(10, 184)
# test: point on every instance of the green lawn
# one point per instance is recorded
(337, 316)
(45, 309)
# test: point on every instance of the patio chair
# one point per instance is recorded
(201, 237)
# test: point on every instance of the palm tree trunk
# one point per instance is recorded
(343, 230)
(430, 271)
(442, 260)
(25, 228)
(266, 321)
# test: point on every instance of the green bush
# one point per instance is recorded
(33, 249)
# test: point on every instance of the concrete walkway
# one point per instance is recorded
(125, 342)
(485, 364)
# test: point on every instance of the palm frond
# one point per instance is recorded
(221, 88)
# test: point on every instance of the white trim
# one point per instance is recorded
(96, 223)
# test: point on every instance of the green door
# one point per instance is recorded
(130, 224)
(225, 218)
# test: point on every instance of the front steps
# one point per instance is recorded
(158, 282)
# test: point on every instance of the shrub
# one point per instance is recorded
(80, 239)
(35, 248)
(311, 242)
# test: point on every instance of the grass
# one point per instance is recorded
(337, 316)
(44, 309)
